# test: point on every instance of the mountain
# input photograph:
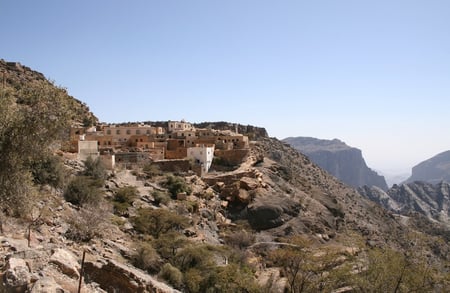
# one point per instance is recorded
(430, 200)
(272, 222)
(342, 161)
(433, 170)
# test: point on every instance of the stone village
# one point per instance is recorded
(174, 146)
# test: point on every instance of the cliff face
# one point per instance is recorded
(430, 200)
(433, 170)
(342, 161)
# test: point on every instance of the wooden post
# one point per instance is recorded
(29, 235)
(81, 271)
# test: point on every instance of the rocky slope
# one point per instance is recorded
(342, 161)
(16, 76)
(430, 200)
(219, 234)
(433, 170)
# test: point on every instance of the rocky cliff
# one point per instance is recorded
(430, 200)
(342, 161)
(433, 170)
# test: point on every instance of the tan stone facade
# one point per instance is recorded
(158, 143)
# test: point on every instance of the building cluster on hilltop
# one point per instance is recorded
(178, 145)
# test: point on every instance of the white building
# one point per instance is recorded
(203, 155)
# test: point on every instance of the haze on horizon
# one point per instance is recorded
(374, 74)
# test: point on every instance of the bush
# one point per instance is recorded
(124, 198)
(48, 170)
(160, 198)
(151, 170)
(172, 275)
(158, 221)
(240, 239)
(94, 168)
(87, 223)
(146, 258)
(176, 185)
(83, 191)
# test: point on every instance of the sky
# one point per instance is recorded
(375, 74)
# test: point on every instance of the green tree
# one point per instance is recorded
(32, 118)
(124, 198)
(177, 185)
(83, 191)
(158, 221)
(388, 270)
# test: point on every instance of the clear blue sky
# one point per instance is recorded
(375, 74)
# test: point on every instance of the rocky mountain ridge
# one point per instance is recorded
(342, 161)
(433, 170)
(430, 200)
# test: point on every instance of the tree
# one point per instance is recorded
(296, 261)
(32, 118)
(388, 270)
(158, 221)
(83, 191)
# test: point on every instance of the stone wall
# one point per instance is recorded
(231, 157)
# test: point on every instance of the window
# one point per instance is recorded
(138, 131)
(118, 131)
(128, 131)
(108, 131)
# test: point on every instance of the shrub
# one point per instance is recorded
(151, 170)
(124, 198)
(176, 185)
(172, 275)
(48, 170)
(146, 258)
(240, 239)
(87, 223)
(82, 191)
(158, 221)
(160, 198)
(94, 168)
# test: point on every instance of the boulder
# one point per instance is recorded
(17, 275)
(111, 274)
(45, 285)
(271, 212)
(248, 183)
(66, 262)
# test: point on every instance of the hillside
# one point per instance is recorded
(16, 76)
(272, 222)
(433, 170)
(342, 161)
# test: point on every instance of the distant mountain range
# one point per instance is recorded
(430, 200)
(433, 170)
(342, 161)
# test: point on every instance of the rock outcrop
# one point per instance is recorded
(430, 200)
(433, 170)
(342, 161)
